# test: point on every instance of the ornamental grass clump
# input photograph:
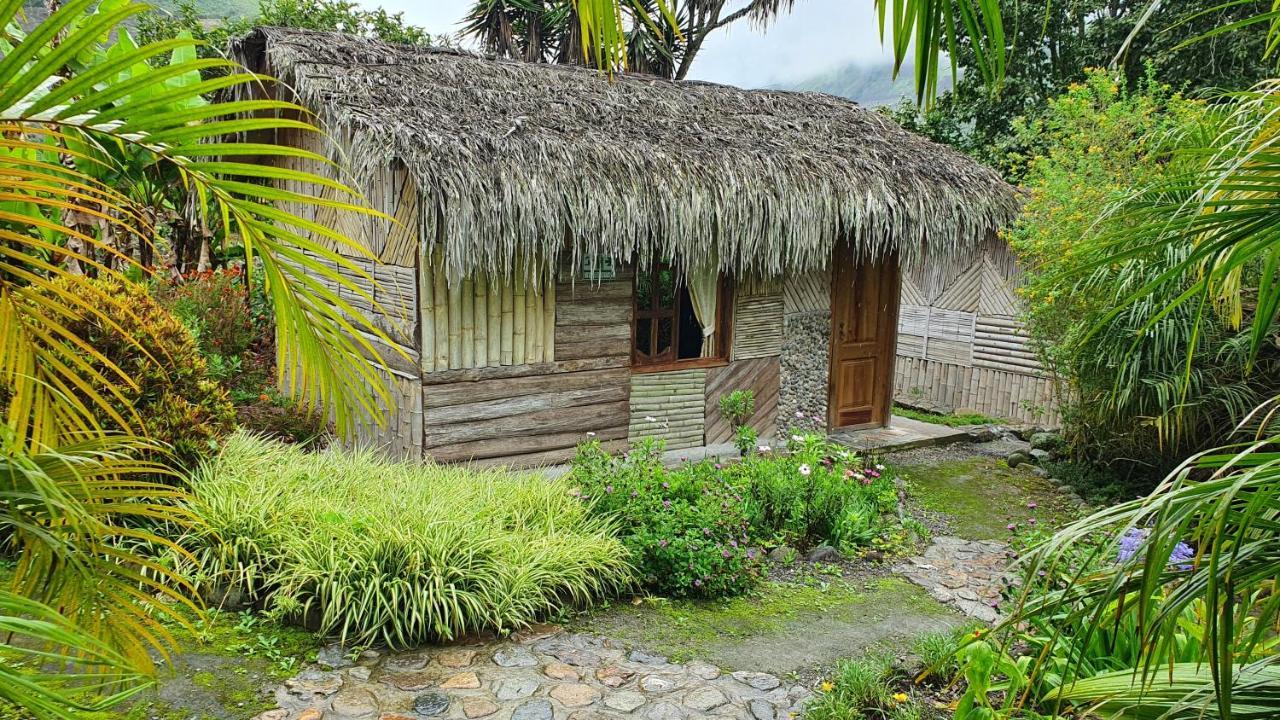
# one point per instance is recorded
(378, 552)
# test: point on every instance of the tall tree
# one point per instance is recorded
(659, 37)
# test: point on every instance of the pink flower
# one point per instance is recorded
(1032, 505)
(805, 469)
(1011, 526)
(848, 473)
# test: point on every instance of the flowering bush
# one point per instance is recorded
(686, 530)
(816, 492)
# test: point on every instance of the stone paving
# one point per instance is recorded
(539, 674)
(968, 575)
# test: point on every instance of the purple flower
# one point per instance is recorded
(1131, 545)
(663, 543)
(666, 503)
(726, 553)
(1032, 505)
(608, 489)
(706, 532)
(697, 583)
(1011, 526)
(666, 485)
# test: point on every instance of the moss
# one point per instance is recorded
(950, 420)
(982, 496)
(684, 629)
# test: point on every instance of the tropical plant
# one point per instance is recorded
(373, 551)
(88, 130)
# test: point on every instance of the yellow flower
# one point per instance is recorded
(900, 697)
(827, 686)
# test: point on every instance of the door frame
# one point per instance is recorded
(888, 340)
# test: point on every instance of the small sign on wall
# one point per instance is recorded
(598, 269)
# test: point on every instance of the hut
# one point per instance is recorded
(576, 256)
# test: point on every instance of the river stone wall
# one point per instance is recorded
(805, 366)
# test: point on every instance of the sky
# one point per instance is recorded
(816, 36)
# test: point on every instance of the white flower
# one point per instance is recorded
(805, 469)
(650, 418)
(591, 434)
(763, 448)
(879, 466)
(797, 438)
(799, 414)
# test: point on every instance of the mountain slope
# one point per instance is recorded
(867, 85)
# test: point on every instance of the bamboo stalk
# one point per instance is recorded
(468, 324)
(426, 308)
(519, 302)
(481, 320)
(508, 321)
(533, 330)
(494, 351)
(440, 312)
(549, 319)
(455, 326)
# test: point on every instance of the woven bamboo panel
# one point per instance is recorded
(400, 434)
(910, 294)
(1001, 343)
(760, 376)
(946, 388)
(963, 292)
(810, 292)
(997, 297)
(669, 405)
(757, 287)
(936, 334)
(757, 327)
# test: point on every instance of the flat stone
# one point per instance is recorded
(396, 716)
(823, 553)
(514, 688)
(462, 681)
(560, 671)
(704, 670)
(537, 632)
(514, 657)
(705, 699)
(355, 703)
(277, 714)
(614, 676)
(407, 661)
(311, 714)
(536, 709)
(624, 700)
(334, 657)
(410, 681)
(478, 707)
(456, 658)
(575, 694)
(665, 711)
(430, 704)
(762, 710)
(579, 658)
(757, 680)
(314, 682)
(360, 674)
(657, 684)
(645, 658)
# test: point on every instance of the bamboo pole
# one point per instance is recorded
(549, 319)
(468, 324)
(519, 301)
(440, 311)
(426, 309)
(455, 326)
(507, 322)
(533, 328)
(482, 320)
(494, 321)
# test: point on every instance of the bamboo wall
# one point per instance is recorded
(961, 346)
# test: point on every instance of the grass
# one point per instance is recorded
(375, 552)
(982, 496)
(950, 420)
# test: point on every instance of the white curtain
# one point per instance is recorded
(703, 291)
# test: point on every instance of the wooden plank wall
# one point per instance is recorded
(760, 376)
(669, 405)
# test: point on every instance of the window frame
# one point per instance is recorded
(724, 325)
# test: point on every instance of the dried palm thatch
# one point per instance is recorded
(522, 156)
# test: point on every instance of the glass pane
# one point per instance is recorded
(690, 330)
(664, 336)
(644, 290)
(666, 288)
(644, 333)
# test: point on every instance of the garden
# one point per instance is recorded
(180, 536)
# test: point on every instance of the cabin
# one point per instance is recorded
(574, 256)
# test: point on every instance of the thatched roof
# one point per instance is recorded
(520, 155)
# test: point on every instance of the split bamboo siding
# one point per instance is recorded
(960, 345)
(671, 406)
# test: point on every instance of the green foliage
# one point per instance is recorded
(1051, 45)
(1128, 392)
(686, 530)
(863, 688)
(744, 439)
(738, 406)
(950, 420)
(372, 551)
(987, 669)
(173, 394)
(939, 653)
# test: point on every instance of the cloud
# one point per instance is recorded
(817, 35)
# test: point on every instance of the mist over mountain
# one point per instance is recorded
(870, 85)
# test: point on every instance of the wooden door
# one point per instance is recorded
(864, 326)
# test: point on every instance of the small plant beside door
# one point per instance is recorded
(737, 407)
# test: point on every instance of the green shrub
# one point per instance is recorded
(174, 398)
(815, 492)
(863, 688)
(686, 530)
(373, 551)
(738, 406)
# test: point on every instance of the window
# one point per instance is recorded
(667, 329)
